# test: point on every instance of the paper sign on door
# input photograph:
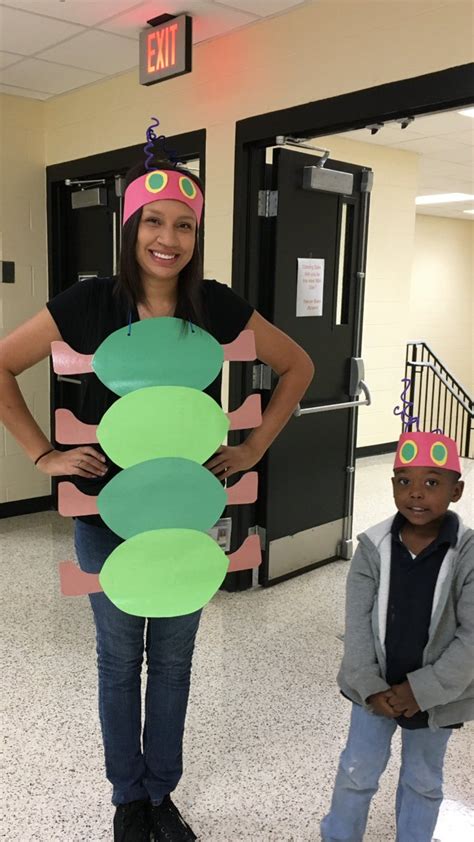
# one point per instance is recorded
(309, 296)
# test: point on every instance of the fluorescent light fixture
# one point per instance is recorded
(469, 211)
(443, 198)
(467, 112)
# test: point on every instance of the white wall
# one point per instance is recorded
(442, 292)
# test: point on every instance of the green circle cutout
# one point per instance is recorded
(164, 573)
(158, 352)
(162, 421)
(156, 180)
(408, 451)
(439, 452)
(188, 188)
(162, 494)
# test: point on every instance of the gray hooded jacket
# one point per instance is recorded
(444, 685)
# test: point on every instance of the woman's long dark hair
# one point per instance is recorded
(129, 284)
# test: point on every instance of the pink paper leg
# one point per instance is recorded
(68, 361)
(73, 503)
(69, 430)
(241, 349)
(74, 582)
(247, 416)
(244, 491)
(249, 555)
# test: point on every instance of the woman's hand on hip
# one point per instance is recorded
(82, 461)
(232, 460)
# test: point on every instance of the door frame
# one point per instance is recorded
(188, 146)
(421, 95)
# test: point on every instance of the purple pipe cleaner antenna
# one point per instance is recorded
(409, 420)
(148, 149)
(404, 411)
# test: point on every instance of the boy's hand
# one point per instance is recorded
(402, 700)
(380, 704)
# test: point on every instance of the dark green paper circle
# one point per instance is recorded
(158, 352)
(162, 494)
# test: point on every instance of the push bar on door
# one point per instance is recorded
(309, 410)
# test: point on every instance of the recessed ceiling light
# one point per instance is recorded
(442, 198)
(469, 211)
(467, 112)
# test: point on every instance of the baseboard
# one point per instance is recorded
(376, 449)
(26, 507)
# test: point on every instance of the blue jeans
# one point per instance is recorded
(419, 793)
(154, 770)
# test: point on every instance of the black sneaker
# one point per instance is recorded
(168, 824)
(132, 822)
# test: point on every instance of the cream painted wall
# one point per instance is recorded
(442, 292)
(23, 227)
(326, 49)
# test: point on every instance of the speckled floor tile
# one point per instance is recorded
(266, 722)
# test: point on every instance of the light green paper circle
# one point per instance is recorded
(158, 352)
(162, 494)
(164, 573)
(162, 421)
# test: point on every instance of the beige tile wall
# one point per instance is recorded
(442, 292)
(318, 51)
(23, 226)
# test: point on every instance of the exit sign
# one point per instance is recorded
(166, 50)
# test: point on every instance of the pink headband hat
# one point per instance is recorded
(427, 450)
(162, 184)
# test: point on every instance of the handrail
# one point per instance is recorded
(420, 364)
(436, 398)
(441, 365)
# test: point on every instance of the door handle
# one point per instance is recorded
(309, 410)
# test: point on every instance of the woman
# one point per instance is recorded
(160, 275)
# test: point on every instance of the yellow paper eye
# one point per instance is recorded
(187, 187)
(156, 181)
(439, 453)
(408, 451)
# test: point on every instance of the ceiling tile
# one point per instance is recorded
(466, 137)
(9, 58)
(86, 12)
(263, 8)
(102, 52)
(23, 33)
(46, 76)
(13, 91)
(446, 122)
(209, 19)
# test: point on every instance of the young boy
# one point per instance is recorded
(409, 644)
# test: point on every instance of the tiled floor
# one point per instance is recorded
(266, 722)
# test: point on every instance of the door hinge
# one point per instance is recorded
(261, 377)
(267, 202)
(262, 534)
(366, 181)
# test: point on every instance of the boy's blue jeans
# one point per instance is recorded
(154, 771)
(419, 793)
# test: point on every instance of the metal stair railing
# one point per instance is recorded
(438, 400)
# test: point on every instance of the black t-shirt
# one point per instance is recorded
(87, 312)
